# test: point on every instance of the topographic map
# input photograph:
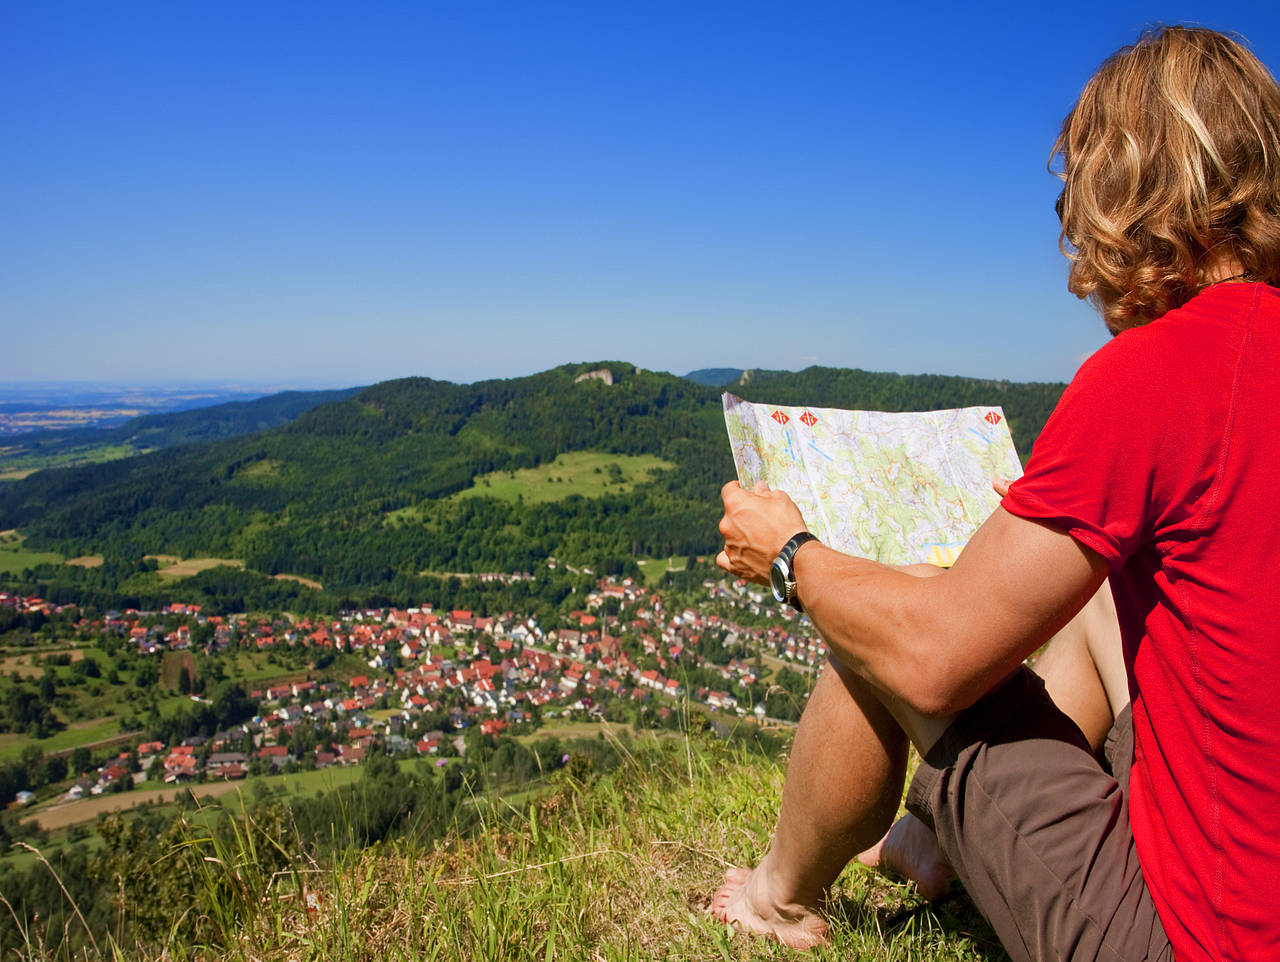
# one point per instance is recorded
(896, 488)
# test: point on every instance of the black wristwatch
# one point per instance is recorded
(782, 576)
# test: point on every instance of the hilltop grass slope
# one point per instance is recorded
(612, 867)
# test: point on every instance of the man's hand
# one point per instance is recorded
(755, 526)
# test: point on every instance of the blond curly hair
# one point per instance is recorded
(1171, 169)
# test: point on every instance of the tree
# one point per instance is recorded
(81, 759)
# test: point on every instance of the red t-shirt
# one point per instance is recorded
(1164, 457)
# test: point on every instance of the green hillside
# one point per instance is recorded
(715, 376)
(359, 493)
(150, 432)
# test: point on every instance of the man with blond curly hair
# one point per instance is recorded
(1156, 473)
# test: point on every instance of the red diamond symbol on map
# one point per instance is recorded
(808, 418)
(992, 418)
(780, 417)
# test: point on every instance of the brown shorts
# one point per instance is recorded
(1038, 830)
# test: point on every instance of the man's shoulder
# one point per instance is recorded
(1191, 349)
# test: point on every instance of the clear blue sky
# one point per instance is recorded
(323, 193)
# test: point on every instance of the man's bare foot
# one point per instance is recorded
(744, 901)
(909, 849)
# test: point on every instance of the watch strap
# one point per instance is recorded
(786, 556)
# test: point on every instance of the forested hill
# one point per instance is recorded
(1027, 405)
(365, 491)
(151, 432)
(715, 376)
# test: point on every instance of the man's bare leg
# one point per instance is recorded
(843, 784)
(910, 850)
(1083, 668)
(1083, 672)
(846, 773)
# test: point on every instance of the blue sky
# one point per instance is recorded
(322, 194)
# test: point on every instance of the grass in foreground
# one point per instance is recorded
(616, 868)
(622, 868)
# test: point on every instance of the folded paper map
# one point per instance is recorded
(896, 488)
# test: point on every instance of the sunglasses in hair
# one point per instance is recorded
(1060, 204)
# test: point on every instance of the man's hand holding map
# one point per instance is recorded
(897, 488)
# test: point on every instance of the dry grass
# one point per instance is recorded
(300, 580)
(86, 561)
(25, 665)
(171, 567)
(174, 664)
(620, 870)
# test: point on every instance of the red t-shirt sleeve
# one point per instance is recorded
(1092, 472)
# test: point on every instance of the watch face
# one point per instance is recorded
(778, 580)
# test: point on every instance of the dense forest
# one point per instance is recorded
(357, 494)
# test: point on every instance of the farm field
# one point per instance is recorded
(74, 735)
(23, 662)
(175, 663)
(62, 814)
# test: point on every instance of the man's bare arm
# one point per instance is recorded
(939, 643)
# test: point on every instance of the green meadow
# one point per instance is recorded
(589, 474)
(73, 736)
(16, 464)
(14, 558)
(654, 568)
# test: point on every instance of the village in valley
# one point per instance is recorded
(411, 681)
